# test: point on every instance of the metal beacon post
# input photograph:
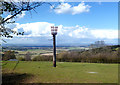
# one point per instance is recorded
(54, 33)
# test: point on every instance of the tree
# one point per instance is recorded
(14, 9)
(8, 55)
(28, 56)
(98, 44)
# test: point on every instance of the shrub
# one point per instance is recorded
(21, 59)
(97, 55)
(42, 58)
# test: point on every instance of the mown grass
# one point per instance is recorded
(65, 72)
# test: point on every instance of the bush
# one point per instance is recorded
(97, 55)
(42, 58)
(21, 59)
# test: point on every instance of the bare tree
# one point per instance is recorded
(14, 9)
(28, 56)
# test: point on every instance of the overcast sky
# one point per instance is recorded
(78, 23)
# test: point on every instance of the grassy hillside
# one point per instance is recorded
(65, 72)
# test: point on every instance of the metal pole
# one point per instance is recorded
(54, 51)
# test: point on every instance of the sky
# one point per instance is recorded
(79, 23)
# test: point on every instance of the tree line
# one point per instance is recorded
(107, 54)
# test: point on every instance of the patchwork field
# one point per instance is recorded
(65, 72)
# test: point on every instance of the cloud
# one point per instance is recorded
(44, 29)
(109, 34)
(41, 32)
(19, 16)
(84, 32)
(80, 32)
(10, 20)
(35, 29)
(66, 8)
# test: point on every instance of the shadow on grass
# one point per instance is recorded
(14, 78)
(19, 79)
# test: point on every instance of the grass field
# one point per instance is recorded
(65, 72)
